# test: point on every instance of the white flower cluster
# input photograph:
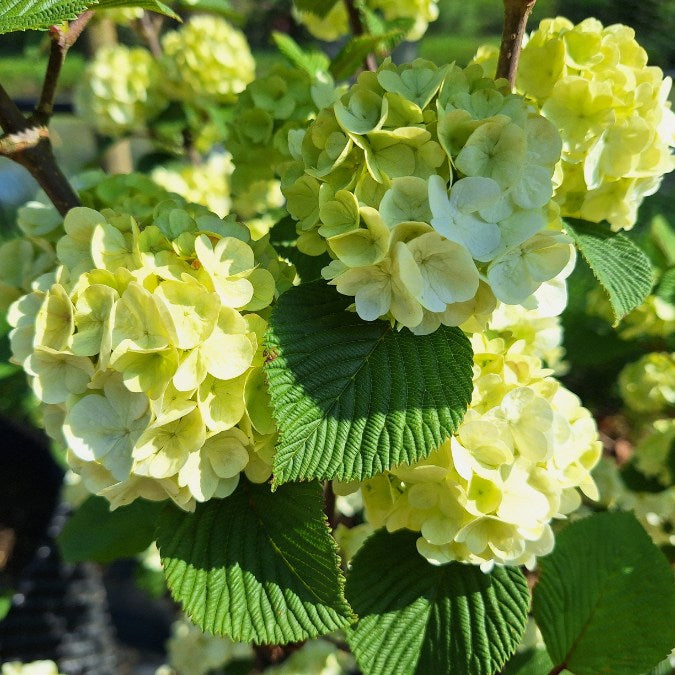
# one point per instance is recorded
(207, 184)
(120, 90)
(648, 384)
(488, 494)
(205, 60)
(144, 347)
(541, 334)
(430, 188)
(191, 650)
(612, 110)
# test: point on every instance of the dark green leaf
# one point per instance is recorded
(419, 618)
(353, 398)
(636, 481)
(622, 268)
(605, 602)
(256, 566)
(535, 661)
(97, 534)
(283, 238)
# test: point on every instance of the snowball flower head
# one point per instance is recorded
(430, 188)
(207, 183)
(282, 101)
(120, 90)
(206, 60)
(145, 348)
(612, 110)
(488, 494)
(648, 384)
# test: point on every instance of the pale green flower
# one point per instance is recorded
(105, 426)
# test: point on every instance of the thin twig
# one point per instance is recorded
(62, 39)
(356, 25)
(516, 13)
(11, 119)
(26, 140)
(151, 25)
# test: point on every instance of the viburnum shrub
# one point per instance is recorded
(304, 361)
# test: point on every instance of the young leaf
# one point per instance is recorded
(311, 61)
(38, 14)
(256, 566)
(419, 618)
(318, 7)
(605, 601)
(353, 398)
(350, 58)
(150, 5)
(622, 268)
(97, 534)
(666, 287)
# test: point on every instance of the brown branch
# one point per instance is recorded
(11, 119)
(26, 141)
(558, 669)
(42, 165)
(22, 140)
(62, 39)
(151, 25)
(356, 26)
(516, 13)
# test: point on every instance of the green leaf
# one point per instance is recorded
(256, 566)
(318, 7)
(97, 534)
(353, 398)
(666, 287)
(636, 481)
(605, 601)
(220, 7)
(150, 5)
(376, 24)
(311, 61)
(32, 14)
(38, 14)
(535, 661)
(622, 268)
(351, 57)
(663, 235)
(5, 602)
(283, 238)
(419, 618)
